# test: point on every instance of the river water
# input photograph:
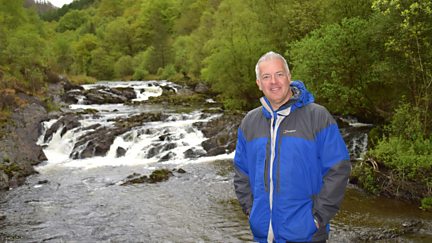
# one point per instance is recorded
(82, 200)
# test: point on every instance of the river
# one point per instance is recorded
(82, 199)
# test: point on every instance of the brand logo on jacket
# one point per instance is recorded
(289, 131)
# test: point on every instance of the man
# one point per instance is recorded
(291, 163)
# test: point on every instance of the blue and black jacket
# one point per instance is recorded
(291, 168)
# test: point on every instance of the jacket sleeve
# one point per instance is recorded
(336, 167)
(241, 177)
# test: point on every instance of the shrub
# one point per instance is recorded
(426, 203)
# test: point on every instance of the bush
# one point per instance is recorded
(403, 157)
(123, 67)
(426, 203)
(366, 177)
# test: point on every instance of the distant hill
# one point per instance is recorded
(56, 13)
(41, 6)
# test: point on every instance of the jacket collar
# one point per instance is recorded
(301, 97)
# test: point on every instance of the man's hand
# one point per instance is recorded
(316, 223)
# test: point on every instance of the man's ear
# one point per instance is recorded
(259, 84)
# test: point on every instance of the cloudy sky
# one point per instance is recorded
(60, 3)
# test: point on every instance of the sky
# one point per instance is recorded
(59, 3)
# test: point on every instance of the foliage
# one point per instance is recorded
(71, 21)
(10, 169)
(123, 67)
(405, 151)
(409, 42)
(426, 203)
(337, 63)
(233, 54)
(366, 177)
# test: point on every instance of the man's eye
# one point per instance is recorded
(266, 77)
(280, 75)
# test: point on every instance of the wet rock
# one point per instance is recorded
(42, 182)
(221, 134)
(159, 148)
(194, 153)
(120, 152)
(71, 97)
(66, 123)
(70, 86)
(96, 143)
(139, 120)
(180, 170)
(105, 95)
(153, 151)
(133, 175)
(167, 156)
(156, 176)
(160, 175)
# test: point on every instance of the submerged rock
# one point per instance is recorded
(156, 176)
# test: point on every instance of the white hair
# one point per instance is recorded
(270, 56)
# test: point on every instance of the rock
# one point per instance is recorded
(180, 170)
(67, 86)
(105, 95)
(120, 152)
(42, 182)
(19, 142)
(193, 153)
(158, 175)
(221, 134)
(167, 156)
(96, 143)
(4, 181)
(201, 88)
(67, 122)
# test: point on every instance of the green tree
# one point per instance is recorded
(154, 28)
(236, 45)
(117, 36)
(123, 67)
(101, 64)
(334, 11)
(82, 53)
(72, 20)
(25, 56)
(337, 62)
(408, 44)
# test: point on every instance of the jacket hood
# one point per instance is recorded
(301, 97)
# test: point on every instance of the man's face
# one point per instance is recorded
(274, 82)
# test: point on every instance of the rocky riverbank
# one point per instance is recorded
(19, 152)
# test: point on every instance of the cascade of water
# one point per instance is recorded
(171, 138)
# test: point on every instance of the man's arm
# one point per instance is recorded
(241, 178)
(328, 201)
(243, 190)
(336, 166)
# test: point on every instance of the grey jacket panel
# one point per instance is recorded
(255, 125)
(243, 190)
(307, 122)
(328, 201)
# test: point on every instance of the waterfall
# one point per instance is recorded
(158, 135)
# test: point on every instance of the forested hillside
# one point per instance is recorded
(371, 59)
